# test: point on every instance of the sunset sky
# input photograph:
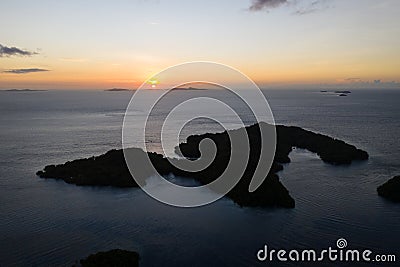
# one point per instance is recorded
(105, 44)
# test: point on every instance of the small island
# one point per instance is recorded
(343, 92)
(114, 258)
(25, 90)
(391, 189)
(110, 168)
(188, 89)
(117, 90)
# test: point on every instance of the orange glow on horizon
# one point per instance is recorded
(91, 75)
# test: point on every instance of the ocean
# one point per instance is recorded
(51, 223)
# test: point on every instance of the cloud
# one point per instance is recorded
(376, 84)
(301, 7)
(353, 80)
(6, 51)
(24, 71)
(258, 5)
(315, 6)
(68, 59)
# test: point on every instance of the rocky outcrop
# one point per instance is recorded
(115, 258)
(391, 189)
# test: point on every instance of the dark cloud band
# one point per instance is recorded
(6, 51)
(266, 4)
(24, 71)
(301, 7)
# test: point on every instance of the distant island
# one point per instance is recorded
(110, 169)
(112, 258)
(342, 93)
(24, 90)
(339, 93)
(188, 88)
(177, 88)
(117, 90)
(391, 189)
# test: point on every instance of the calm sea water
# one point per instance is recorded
(50, 223)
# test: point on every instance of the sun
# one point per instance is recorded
(153, 82)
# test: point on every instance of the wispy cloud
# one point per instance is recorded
(68, 59)
(25, 71)
(301, 7)
(360, 83)
(315, 6)
(6, 51)
(258, 5)
(352, 80)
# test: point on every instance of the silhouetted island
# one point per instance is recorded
(110, 169)
(330, 150)
(188, 89)
(342, 92)
(114, 258)
(117, 90)
(342, 95)
(391, 189)
(25, 90)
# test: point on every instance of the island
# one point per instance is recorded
(117, 90)
(114, 258)
(330, 150)
(25, 90)
(391, 189)
(342, 95)
(110, 169)
(188, 89)
(343, 92)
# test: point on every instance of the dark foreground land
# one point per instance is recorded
(110, 169)
(391, 189)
